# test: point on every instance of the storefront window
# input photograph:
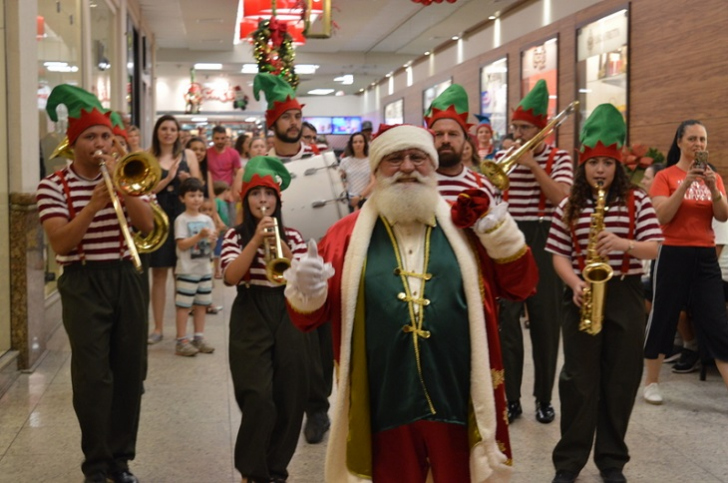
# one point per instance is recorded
(601, 69)
(103, 61)
(494, 95)
(541, 62)
(394, 112)
(59, 62)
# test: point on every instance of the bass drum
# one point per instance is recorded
(316, 198)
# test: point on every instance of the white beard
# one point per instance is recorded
(406, 202)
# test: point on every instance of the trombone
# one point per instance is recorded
(275, 262)
(498, 172)
(136, 174)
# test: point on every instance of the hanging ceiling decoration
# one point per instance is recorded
(294, 29)
(284, 9)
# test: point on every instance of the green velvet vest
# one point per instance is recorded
(419, 367)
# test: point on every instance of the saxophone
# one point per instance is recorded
(596, 273)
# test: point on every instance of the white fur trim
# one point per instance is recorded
(505, 241)
(487, 462)
(400, 138)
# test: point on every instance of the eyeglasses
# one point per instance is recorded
(522, 127)
(417, 158)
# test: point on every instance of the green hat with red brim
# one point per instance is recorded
(603, 134)
(265, 171)
(84, 110)
(451, 104)
(533, 108)
(278, 93)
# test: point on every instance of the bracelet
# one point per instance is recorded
(718, 198)
(631, 246)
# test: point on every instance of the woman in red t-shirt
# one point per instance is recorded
(687, 196)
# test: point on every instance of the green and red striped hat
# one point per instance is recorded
(603, 134)
(533, 108)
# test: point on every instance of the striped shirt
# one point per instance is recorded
(232, 247)
(616, 220)
(103, 240)
(357, 173)
(451, 186)
(524, 194)
(305, 152)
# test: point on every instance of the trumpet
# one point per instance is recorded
(275, 262)
(498, 172)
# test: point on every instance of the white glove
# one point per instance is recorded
(495, 217)
(308, 275)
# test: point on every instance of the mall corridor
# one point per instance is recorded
(189, 418)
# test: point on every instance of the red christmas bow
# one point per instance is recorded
(469, 207)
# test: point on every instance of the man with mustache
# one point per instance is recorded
(541, 179)
(410, 288)
(447, 117)
(284, 117)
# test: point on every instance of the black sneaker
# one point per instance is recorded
(544, 412)
(689, 362)
(613, 475)
(316, 426)
(124, 476)
(514, 410)
(564, 476)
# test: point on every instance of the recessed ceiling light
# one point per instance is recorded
(208, 66)
(389, 75)
(306, 68)
(249, 69)
(427, 53)
(346, 79)
(320, 92)
(492, 17)
(455, 37)
(198, 119)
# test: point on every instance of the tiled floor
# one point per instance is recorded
(189, 420)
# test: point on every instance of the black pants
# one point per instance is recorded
(322, 369)
(600, 378)
(268, 363)
(103, 313)
(544, 322)
(688, 277)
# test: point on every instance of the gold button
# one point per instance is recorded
(402, 296)
(426, 302)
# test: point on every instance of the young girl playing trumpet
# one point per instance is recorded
(268, 355)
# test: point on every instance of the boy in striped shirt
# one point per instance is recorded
(101, 293)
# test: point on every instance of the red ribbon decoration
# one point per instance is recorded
(278, 30)
(428, 2)
(469, 207)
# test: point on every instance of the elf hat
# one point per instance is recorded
(117, 126)
(603, 134)
(265, 171)
(451, 104)
(390, 139)
(278, 93)
(484, 122)
(534, 107)
(84, 110)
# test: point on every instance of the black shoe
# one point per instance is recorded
(564, 476)
(316, 426)
(95, 478)
(124, 476)
(514, 410)
(544, 412)
(689, 362)
(613, 475)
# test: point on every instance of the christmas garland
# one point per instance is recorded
(273, 50)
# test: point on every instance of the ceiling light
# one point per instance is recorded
(198, 119)
(389, 75)
(455, 37)
(340, 93)
(320, 92)
(60, 67)
(347, 79)
(249, 69)
(427, 53)
(208, 66)
(306, 68)
(492, 17)
(251, 119)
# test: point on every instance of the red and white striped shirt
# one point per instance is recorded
(616, 220)
(451, 186)
(524, 194)
(103, 240)
(232, 247)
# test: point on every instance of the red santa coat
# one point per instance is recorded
(345, 246)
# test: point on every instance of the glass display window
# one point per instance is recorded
(541, 61)
(494, 95)
(103, 61)
(394, 112)
(602, 64)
